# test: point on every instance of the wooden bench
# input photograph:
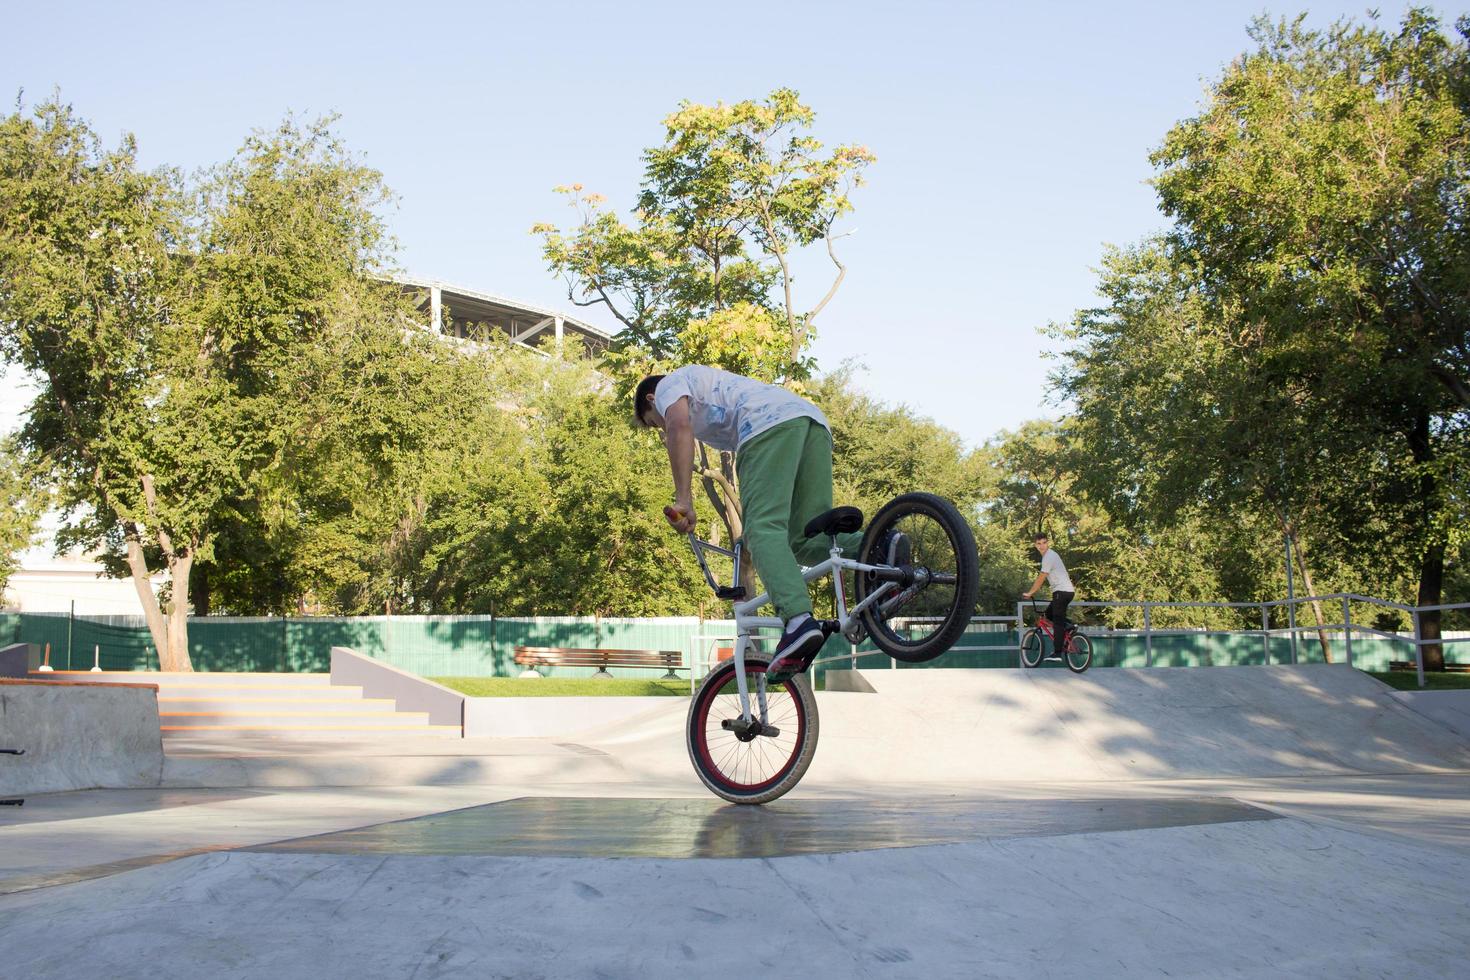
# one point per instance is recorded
(1409, 665)
(533, 657)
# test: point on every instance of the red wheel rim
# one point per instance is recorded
(754, 766)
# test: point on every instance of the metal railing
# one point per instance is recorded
(1292, 629)
(1347, 627)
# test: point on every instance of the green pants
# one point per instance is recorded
(785, 478)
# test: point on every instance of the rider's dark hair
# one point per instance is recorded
(640, 397)
(1041, 537)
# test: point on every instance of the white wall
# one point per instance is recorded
(50, 583)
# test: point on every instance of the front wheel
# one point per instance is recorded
(1031, 647)
(740, 765)
(920, 619)
(1079, 653)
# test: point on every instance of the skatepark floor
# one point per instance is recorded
(903, 856)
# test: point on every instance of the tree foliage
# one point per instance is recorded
(727, 200)
(176, 333)
(1294, 349)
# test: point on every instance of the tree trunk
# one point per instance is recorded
(1431, 571)
(199, 591)
(1431, 587)
(178, 617)
(1301, 563)
(151, 611)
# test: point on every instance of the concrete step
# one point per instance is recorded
(276, 692)
(295, 727)
(269, 716)
(192, 678)
(321, 705)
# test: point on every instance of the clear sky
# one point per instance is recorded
(1012, 139)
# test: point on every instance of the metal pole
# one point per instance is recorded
(1020, 632)
(69, 621)
(1347, 630)
(1290, 599)
(1148, 637)
(1418, 650)
(1265, 636)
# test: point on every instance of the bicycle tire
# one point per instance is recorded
(966, 573)
(718, 767)
(1079, 651)
(1032, 648)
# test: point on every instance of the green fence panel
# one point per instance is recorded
(484, 646)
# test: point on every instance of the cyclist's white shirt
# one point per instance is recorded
(728, 410)
(1056, 572)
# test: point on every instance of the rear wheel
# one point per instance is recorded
(921, 619)
(747, 766)
(1031, 647)
(1079, 653)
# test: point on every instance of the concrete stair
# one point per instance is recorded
(289, 705)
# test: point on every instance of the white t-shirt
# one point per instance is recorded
(1056, 572)
(728, 410)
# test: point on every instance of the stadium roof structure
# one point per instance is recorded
(461, 312)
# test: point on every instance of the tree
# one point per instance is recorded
(704, 271)
(1322, 193)
(727, 199)
(169, 330)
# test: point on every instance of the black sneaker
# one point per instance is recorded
(797, 649)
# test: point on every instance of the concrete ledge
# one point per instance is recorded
(411, 692)
(78, 736)
(551, 717)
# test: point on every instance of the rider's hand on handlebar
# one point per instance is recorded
(680, 516)
(1025, 595)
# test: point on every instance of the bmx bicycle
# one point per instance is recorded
(1078, 652)
(751, 740)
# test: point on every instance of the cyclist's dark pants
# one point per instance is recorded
(1057, 613)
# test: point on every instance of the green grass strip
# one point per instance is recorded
(1408, 680)
(564, 687)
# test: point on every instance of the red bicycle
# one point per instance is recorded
(1034, 644)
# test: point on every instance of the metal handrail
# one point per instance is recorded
(1347, 628)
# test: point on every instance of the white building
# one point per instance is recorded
(45, 582)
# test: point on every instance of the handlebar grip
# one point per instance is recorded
(671, 513)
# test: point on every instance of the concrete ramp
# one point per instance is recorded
(1174, 723)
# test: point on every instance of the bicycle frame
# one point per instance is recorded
(1042, 623)
(848, 621)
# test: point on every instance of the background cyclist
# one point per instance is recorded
(1054, 573)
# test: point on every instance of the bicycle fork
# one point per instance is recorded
(747, 723)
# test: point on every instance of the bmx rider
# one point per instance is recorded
(783, 462)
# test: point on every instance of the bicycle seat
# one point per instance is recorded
(838, 520)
